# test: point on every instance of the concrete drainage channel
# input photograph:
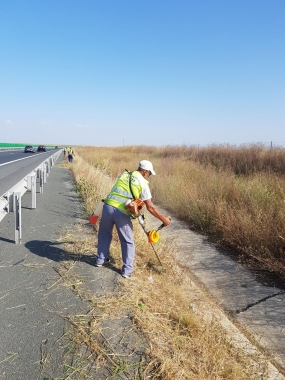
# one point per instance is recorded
(257, 308)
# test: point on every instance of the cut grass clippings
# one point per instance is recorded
(181, 344)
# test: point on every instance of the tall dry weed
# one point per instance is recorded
(234, 194)
(183, 344)
(243, 160)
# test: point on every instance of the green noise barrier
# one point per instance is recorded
(22, 145)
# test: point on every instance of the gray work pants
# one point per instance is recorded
(112, 216)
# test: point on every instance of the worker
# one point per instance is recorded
(115, 213)
(70, 156)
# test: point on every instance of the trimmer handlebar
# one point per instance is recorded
(160, 227)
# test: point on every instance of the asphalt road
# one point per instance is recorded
(31, 307)
(15, 165)
(34, 303)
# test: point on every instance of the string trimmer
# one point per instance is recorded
(153, 237)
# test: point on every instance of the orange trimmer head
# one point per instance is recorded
(153, 236)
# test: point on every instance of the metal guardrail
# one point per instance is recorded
(11, 148)
(22, 148)
(11, 200)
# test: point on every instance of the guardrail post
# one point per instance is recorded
(17, 217)
(45, 172)
(4, 206)
(48, 167)
(29, 184)
(41, 182)
(10, 202)
(34, 190)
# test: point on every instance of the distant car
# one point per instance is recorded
(41, 148)
(29, 149)
(56, 147)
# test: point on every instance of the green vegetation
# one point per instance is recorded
(12, 145)
(22, 145)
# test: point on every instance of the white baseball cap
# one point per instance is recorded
(146, 165)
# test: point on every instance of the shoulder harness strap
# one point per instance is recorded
(130, 183)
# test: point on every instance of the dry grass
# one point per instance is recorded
(240, 208)
(183, 344)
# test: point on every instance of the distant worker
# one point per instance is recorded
(128, 186)
(70, 156)
(64, 152)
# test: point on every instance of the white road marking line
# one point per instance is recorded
(10, 162)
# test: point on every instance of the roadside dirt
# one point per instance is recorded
(116, 333)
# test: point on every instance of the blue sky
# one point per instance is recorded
(151, 72)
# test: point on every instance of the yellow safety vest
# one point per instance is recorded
(120, 192)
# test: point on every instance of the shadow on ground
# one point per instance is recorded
(53, 251)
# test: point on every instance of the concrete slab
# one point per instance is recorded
(266, 322)
(258, 308)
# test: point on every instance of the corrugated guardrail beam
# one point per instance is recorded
(11, 200)
(8, 148)
(4, 206)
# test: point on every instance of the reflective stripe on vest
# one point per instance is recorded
(119, 199)
(122, 192)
